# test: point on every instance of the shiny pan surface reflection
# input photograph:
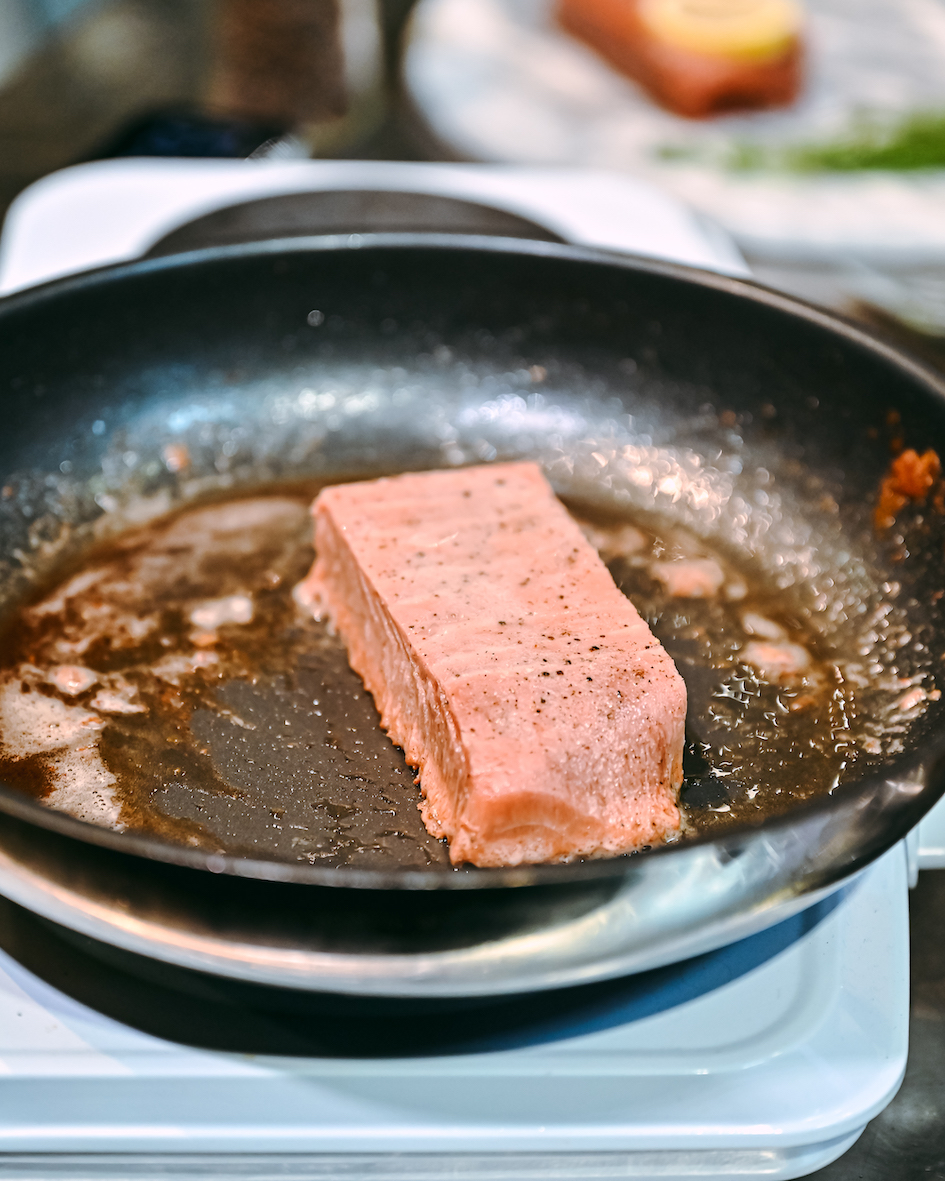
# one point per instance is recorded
(697, 407)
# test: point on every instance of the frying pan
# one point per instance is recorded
(429, 346)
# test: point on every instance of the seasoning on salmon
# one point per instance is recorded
(544, 718)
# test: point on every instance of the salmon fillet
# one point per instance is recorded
(691, 83)
(544, 718)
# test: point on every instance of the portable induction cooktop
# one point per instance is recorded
(765, 1058)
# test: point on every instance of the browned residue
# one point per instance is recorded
(911, 476)
(30, 775)
(258, 740)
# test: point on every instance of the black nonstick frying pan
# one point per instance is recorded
(758, 424)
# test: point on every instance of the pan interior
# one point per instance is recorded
(186, 482)
(171, 686)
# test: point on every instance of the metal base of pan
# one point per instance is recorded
(391, 943)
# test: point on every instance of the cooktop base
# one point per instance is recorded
(766, 1058)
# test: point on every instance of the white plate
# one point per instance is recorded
(497, 81)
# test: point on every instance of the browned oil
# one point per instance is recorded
(755, 745)
(273, 747)
(255, 738)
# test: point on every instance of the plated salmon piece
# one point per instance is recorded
(545, 720)
(697, 57)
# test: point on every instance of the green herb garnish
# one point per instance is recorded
(918, 141)
(915, 142)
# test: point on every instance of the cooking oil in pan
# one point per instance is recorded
(171, 686)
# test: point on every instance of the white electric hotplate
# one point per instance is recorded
(763, 1059)
(766, 1058)
(116, 210)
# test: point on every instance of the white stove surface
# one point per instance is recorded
(115, 210)
(779, 1049)
(766, 1058)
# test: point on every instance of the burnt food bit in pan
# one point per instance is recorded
(911, 476)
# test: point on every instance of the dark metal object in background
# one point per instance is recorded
(188, 134)
(153, 339)
(278, 61)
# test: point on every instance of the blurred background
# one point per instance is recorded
(834, 191)
(78, 79)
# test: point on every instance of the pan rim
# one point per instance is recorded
(909, 765)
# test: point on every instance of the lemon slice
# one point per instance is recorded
(747, 30)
